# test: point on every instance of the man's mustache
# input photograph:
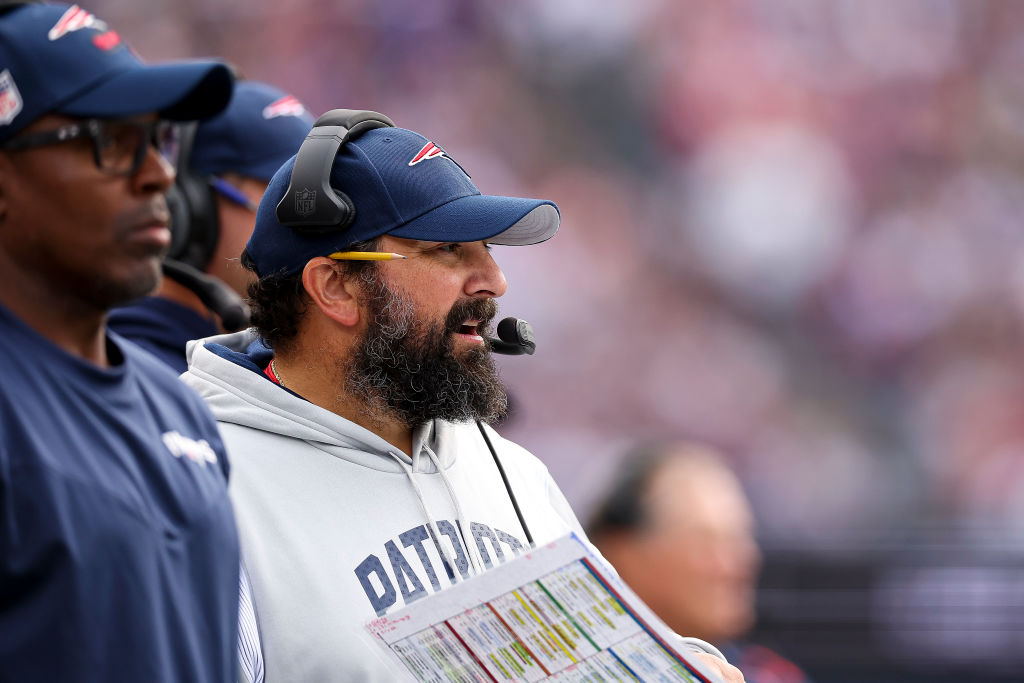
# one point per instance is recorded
(483, 310)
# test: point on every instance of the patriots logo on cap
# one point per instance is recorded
(429, 151)
(10, 98)
(286, 106)
(75, 19)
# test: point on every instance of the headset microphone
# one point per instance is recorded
(515, 337)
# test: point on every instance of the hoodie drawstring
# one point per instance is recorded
(467, 532)
(446, 554)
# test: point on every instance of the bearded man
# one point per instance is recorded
(354, 410)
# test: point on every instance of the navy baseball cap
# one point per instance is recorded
(403, 185)
(260, 129)
(61, 59)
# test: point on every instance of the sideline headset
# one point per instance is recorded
(324, 210)
(195, 224)
(195, 231)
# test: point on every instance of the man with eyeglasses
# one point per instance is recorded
(118, 549)
(225, 163)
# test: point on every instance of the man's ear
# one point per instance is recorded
(333, 293)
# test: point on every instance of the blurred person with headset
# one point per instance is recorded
(224, 164)
(365, 476)
(678, 528)
(118, 548)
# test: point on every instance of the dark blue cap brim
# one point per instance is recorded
(499, 220)
(179, 91)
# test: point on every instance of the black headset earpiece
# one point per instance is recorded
(195, 230)
(311, 205)
(195, 222)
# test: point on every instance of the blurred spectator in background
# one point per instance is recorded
(224, 165)
(679, 530)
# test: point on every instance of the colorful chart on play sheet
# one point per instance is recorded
(555, 614)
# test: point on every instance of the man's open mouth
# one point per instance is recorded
(469, 329)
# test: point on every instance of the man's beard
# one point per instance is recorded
(405, 368)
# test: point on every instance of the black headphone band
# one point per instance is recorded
(310, 205)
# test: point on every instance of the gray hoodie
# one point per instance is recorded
(338, 526)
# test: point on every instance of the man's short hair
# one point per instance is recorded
(278, 302)
(624, 507)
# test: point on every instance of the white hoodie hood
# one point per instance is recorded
(338, 526)
(227, 371)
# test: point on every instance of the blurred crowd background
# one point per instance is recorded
(791, 228)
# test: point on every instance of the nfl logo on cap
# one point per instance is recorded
(10, 98)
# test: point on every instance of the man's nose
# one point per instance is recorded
(155, 174)
(487, 278)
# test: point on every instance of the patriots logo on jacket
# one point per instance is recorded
(286, 106)
(181, 446)
(429, 151)
(75, 19)
(385, 575)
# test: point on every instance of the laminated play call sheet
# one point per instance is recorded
(555, 614)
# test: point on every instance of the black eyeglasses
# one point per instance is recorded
(119, 146)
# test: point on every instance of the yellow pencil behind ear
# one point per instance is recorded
(365, 256)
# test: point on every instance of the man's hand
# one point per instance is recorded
(727, 672)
